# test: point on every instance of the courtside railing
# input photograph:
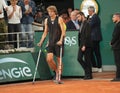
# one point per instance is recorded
(4, 40)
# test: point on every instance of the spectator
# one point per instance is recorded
(2, 23)
(64, 14)
(69, 10)
(39, 17)
(28, 12)
(77, 10)
(85, 46)
(14, 14)
(73, 23)
(96, 36)
(115, 43)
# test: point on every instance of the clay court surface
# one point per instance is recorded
(99, 84)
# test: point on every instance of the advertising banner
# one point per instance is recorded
(71, 65)
(17, 67)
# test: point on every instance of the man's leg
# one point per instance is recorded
(30, 35)
(11, 36)
(94, 64)
(98, 54)
(80, 59)
(2, 30)
(23, 36)
(51, 62)
(88, 63)
(117, 62)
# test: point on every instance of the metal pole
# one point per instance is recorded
(60, 67)
(36, 65)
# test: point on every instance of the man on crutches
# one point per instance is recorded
(56, 28)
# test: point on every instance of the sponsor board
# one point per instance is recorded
(17, 67)
(71, 65)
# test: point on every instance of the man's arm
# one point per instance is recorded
(44, 34)
(9, 13)
(116, 35)
(32, 8)
(61, 23)
(95, 20)
(4, 4)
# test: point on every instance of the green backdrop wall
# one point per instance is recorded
(106, 9)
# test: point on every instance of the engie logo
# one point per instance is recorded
(14, 68)
(70, 40)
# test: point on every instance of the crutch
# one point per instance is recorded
(37, 65)
(60, 67)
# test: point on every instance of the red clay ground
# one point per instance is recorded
(100, 84)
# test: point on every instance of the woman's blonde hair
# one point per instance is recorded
(52, 8)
